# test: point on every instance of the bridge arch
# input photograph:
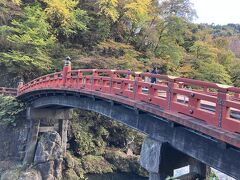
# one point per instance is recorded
(204, 131)
(159, 128)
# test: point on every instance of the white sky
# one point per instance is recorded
(217, 11)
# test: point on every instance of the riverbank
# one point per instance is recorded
(99, 145)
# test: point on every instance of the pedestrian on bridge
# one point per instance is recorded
(154, 79)
(147, 78)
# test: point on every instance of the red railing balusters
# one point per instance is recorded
(171, 95)
(237, 96)
(209, 102)
(205, 89)
(8, 91)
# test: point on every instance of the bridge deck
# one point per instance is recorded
(209, 108)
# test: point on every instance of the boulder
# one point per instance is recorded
(30, 175)
(49, 156)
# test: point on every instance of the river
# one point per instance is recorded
(115, 176)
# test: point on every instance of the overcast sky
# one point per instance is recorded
(217, 11)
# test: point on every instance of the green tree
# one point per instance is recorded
(204, 51)
(30, 39)
(226, 58)
(235, 73)
(10, 110)
(211, 71)
(170, 51)
(127, 16)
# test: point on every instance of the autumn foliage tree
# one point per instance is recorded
(134, 34)
(65, 18)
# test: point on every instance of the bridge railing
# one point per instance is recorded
(8, 91)
(212, 103)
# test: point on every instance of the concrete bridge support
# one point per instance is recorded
(160, 159)
(63, 127)
(42, 121)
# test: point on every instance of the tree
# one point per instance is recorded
(65, 18)
(9, 10)
(18, 2)
(204, 51)
(180, 8)
(226, 58)
(10, 110)
(127, 16)
(169, 26)
(234, 45)
(211, 71)
(30, 39)
(109, 9)
(137, 11)
(235, 72)
(170, 51)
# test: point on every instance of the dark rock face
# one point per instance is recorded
(18, 174)
(30, 175)
(13, 141)
(49, 156)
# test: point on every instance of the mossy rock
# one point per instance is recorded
(96, 165)
(124, 163)
(30, 174)
(69, 161)
(70, 174)
(74, 164)
(11, 175)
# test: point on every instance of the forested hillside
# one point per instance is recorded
(36, 35)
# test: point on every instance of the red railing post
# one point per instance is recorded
(236, 95)
(137, 89)
(20, 85)
(171, 96)
(113, 84)
(4, 91)
(67, 68)
(94, 82)
(152, 92)
(80, 80)
(222, 111)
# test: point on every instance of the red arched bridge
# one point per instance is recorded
(210, 111)
(214, 104)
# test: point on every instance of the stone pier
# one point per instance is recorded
(160, 159)
(47, 140)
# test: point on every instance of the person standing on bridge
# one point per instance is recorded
(154, 79)
(147, 78)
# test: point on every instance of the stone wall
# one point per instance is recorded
(13, 141)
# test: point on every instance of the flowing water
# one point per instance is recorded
(115, 176)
